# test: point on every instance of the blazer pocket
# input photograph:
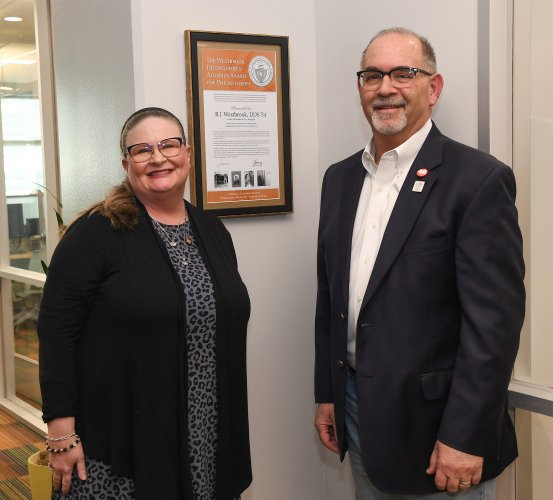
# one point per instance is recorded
(435, 385)
(425, 246)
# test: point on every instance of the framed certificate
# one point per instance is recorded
(239, 123)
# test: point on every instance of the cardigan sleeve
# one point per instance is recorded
(75, 273)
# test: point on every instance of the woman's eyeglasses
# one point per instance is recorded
(143, 151)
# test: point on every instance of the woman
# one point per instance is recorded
(142, 334)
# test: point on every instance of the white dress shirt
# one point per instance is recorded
(378, 196)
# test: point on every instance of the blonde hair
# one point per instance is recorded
(119, 207)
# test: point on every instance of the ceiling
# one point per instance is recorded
(17, 46)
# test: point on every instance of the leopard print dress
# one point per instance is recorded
(202, 389)
(200, 340)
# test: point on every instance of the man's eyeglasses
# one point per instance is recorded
(143, 151)
(399, 77)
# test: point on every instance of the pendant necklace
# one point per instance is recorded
(171, 235)
(174, 233)
(174, 236)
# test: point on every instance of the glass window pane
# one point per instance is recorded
(26, 302)
(22, 144)
(26, 231)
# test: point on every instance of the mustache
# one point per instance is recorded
(381, 103)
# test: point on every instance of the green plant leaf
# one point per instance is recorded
(59, 218)
(50, 193)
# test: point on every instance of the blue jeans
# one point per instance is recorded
(364, 489)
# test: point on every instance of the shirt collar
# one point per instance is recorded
(405, 153)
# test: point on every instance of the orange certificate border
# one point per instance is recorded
(224, 61)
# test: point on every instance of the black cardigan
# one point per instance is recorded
(113, 352)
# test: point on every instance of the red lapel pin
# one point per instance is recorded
(421, 172)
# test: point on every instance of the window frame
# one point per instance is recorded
(8, 399)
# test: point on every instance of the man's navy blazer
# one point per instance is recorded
(439, 325)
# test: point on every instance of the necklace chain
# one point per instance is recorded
(170, 235)
(175, 233)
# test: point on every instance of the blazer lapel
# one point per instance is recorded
(348, 210)
(406, 210)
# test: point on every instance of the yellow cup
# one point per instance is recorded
(40, 477)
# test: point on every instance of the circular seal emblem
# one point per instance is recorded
(261, 71)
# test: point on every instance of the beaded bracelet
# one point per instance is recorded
(54, 440)
(63, 450)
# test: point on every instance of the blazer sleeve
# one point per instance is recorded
(490, 273)
(75, 273)
(323, 376)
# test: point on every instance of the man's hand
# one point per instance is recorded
(326, 426)
(453, 469)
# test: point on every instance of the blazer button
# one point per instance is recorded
(342, 315)
(341, 364)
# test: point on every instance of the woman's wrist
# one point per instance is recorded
(61, 430)
(54, 439)
(63, 448)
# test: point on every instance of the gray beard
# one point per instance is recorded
(386, 127)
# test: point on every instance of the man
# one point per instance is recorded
(420, 294)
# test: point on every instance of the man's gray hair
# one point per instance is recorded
(427, 49)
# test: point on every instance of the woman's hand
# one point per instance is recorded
(62, 464)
